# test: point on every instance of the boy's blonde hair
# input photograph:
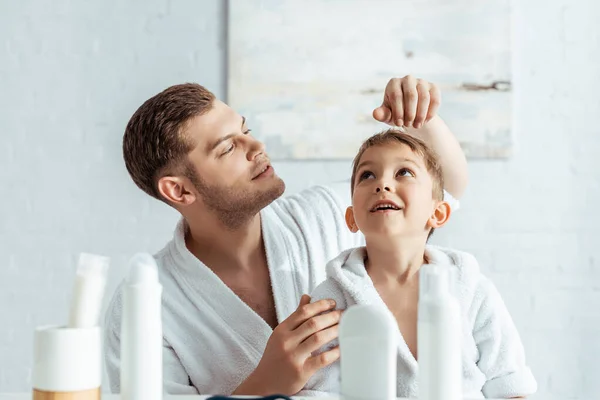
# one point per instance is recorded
(430, 158)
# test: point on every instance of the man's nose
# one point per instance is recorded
(255, 148)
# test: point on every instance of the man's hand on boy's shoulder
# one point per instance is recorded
(408, 102)
(288, 361)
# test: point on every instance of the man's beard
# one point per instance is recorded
(236, 207)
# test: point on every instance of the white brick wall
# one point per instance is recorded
(71, 73)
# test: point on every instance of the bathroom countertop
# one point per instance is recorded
(27, 396)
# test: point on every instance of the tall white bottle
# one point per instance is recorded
(141, 332)
(368, 353)
(439, 337)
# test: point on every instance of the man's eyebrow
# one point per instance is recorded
(226, 137)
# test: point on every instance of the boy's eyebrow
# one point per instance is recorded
(362, 164)
(408, 160)
(226, 137)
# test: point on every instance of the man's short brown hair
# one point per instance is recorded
(154, 143)
(430, 158)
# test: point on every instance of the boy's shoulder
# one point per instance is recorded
(469, 285)
(458, 258)
(465, 267)
(344, 271)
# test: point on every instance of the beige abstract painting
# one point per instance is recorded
(307, 74)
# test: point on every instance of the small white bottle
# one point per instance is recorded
(88, 291)
(141, 332)
(439, 336)
(368, 353)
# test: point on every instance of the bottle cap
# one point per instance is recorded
(93, 264)
(434, 280)
(142, 269)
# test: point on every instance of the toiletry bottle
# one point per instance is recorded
(439, 337)
(141, 332)
(88, 291)
(368, 353)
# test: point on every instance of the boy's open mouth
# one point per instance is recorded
(385, 205)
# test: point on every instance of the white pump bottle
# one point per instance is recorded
(141, 332)
(439, 336)
(368, 353)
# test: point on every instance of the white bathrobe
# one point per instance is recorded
(212, 339)
(492, 352)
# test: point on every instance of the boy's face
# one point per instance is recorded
(393, 194)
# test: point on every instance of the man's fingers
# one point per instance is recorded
(395, 100)
(422, 103)
(408, 102)
(434, 103)
(383, 114)
(290, 323)
(305, 312)
(409, 91)
(318, 339)
(305, 299)
(315, 363)
(316, 325)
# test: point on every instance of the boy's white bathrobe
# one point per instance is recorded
(212, 339)
(492, 352)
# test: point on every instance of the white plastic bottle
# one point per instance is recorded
(88, 291)
(439, 337)
(368, 353)
(141, 332)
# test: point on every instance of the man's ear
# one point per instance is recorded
(350, 220)
(440, 215)
(176, 190)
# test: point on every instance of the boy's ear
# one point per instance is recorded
(441, 215)
(350, 220)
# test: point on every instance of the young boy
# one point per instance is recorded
(397, 202)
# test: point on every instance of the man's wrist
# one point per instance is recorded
(252, 386)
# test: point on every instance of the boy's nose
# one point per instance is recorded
(385, 188)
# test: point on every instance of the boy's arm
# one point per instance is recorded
(501, 353)
(413, 103)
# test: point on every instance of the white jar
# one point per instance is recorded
(67, 360)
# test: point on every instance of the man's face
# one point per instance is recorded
(229, 168)
(393, 192)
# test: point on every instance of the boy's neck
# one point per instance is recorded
(395, 259)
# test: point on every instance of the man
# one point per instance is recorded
(236, 319)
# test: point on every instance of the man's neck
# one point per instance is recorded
(221, 247)
(395, 260)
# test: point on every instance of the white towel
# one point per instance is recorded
(493, 356)
(212, 339)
